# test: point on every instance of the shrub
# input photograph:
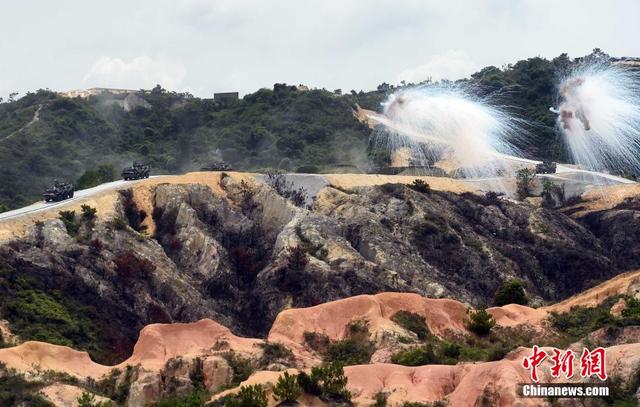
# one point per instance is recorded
(416, 356)
(492, 197)
(285, 189)
(317, 341)
(580, 321)
(451, 350)
(327, 381)
(88, 213)
(131, 267)
(241, 367)
(380, 398)
(355, 349)
(197, 398)
(481, 322)
(119, 223)
(419, 185)
(511, 292)
(287, 388)
(15, 390)
(412, 322)
(248, 396)
(96, 246)
(89, 400)
(524, 182)
(91, 178)
(297, 258)
(69, 220)
(275, 353)
(348, 352)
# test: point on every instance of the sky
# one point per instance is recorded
(207, 46)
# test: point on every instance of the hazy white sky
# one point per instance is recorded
(206, 46)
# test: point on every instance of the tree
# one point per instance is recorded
(511, 292)
(287, 388)
(481, 322)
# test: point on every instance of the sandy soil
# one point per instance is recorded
(603, 198)
(347, 181)
(64, 395)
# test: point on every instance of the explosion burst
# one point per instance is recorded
(446, 121)
(599, 117)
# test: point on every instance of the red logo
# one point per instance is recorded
(591, 363)
(534, 361)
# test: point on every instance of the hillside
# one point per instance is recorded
(44, 135)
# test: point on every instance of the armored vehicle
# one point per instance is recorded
(546, 167)
(136, 171)
(217, 166)
(58, 192)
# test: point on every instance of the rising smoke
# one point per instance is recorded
(599, 116)
(446, 121)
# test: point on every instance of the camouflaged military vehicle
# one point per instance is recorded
(217, 166)
(136, 171)
(58, 192)
(546, 167)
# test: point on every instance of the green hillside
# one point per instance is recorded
(45, 136)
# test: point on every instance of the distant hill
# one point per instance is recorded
(46, 135)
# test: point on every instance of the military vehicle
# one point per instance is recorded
(546, 167)
(217, 166)
(58, 192)
(136, 171)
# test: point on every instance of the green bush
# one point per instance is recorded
(348, 352)
(511, 292)
(241, 367)
(419, 185)
(89, 400)
(248, 396)
(381, 399)
(69, 220)
(416, 356)
(580, 321)
(88, 213)
(317, 341)
(48, 316)
(287, 388)
(327, 381)
(412, 322)
(481, 322)
(275, 353)
(15, 390)
(197, 398)
(524, 182)
(93, 177)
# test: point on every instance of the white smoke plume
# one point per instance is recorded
(599, 116)
(447, 120)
